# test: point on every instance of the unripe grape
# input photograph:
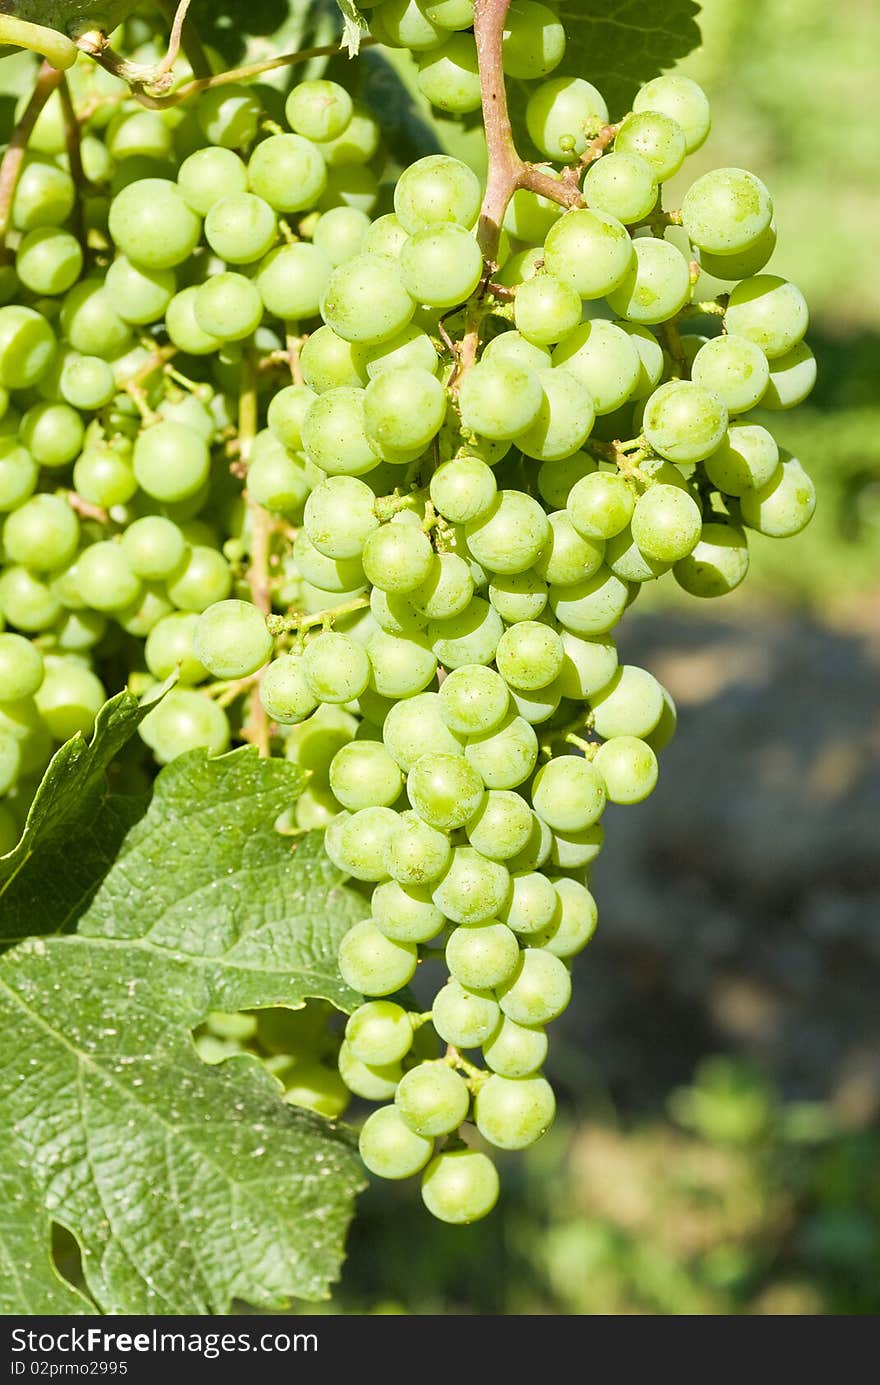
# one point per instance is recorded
(482, 955)
(513, 1113)
(717, 564)
(432, 1099)
(373, 964)
(231, 639)
(388, 1146)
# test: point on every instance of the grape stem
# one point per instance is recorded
(85, 509)
(190, 41)
(49, 79)
(296, 621)
(56, 47)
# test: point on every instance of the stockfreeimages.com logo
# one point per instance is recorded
(97, 1341)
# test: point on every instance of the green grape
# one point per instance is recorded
(288, 172)
(87, 382)
(565, 418)
(792, 376)
(406, 912)
(447, 590)
(373, 964)
(518, 596)
(536, 852)
(505, 757)
(229, 115)
(627, 561)
(42, 533)
(533, 40)
(450, 14)
(171, 461)
(278, 481)
(471, 637)
(769, 312)
(657, 284)
(532, 905)
(203, 579)
(228, 306)
(444, 790)
(568, 794)
(593, 606)
(366, 299)
(27, 347)
(341, 234)
(48, 260)
(449, 75)
(183, 328)
(150, 607)
(463, 489)
(335, 434)
(417, 853)
(529, 216)
(463, 1017)
(539, 704)
(630, 705)
(621, 185)
(386, 236)
(401, 665)
(599, 506)
(18, 474)
(589, 250)
(435, 189)
(44, 195)
(744, 263)
(482, 955)
(372, 1083)
(515, 1050)
(471, 890)
(628, 768)
(784, 505)
(733, 368)
(358, 143)
(717, 564)
(379, 1032)
(684, 422)
(284, 691)
(209, 175)
(397, 557)
(473, 700)
(556, 478)
(681, 99)
(656, 138)
(335, 667)
(292, 280)
(231, 639)
(563, 114)
(410, 347)
(509, 537)
(460, 1186)
(21, 668)
(185, 720)
(666, 523)
(404, 409)
(539, 990)
(363, 775)
(726, 210)
(68, 700)
(587, 665)
(499, 399)
(152, 225)
(52, 433)
(414, 723)
(389, 1148)
(313, 1085)
(10, 769)
(105, 477)
(502, 827)
(651, 363)
(91, 323)
(603, 358)
(529, 655)
(513, 347)
(286, 412)
(442, 265)
(363, 842)
(512, 1113)
(395, 614)
(169, 648)
(240, 228)
(570, 556)
(340, 516)
(432, 1099)
(404, 24)
(576, 922)
(139, 295)
(104, 577)
(319, 110)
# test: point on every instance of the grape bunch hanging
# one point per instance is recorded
(374, 469)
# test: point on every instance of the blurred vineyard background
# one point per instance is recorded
(718, 1151)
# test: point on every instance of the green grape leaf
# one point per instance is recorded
(73, 831)
(618, 46)
(355, 26)
(185, 1185)
(29, 1280)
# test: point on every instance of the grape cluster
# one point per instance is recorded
(378, 498)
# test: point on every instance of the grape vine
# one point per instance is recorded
(374, 473)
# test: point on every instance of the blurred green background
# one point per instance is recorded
(718, 1148)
